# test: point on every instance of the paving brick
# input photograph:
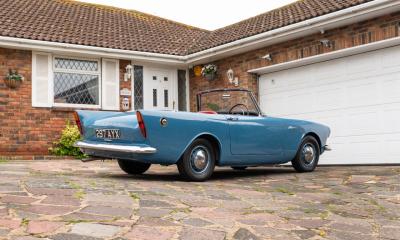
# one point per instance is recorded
(17, 199)
(337, 211)
(10, 224)
(201, 234)
(149, 233)
(49, 209)
(108, 211)
(36, 227)
(95, 230)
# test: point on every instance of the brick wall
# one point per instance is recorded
(349, 36)
(123, 84)
(27, 132)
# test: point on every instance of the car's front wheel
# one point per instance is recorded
(133, 167)
(307, 156)
(198, 161)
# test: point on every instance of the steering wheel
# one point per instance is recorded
(240, 105)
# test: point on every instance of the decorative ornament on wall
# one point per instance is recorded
(13, 79)
(209, 71)
(197, 71)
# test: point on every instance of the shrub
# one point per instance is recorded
(65, 146)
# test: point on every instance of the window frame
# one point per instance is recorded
(61, 70)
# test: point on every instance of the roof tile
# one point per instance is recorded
(67, 21)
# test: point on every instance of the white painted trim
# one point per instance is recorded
(77, 106)
(314, 25)
(73, 49)
(328, 56)
(49, 80)
(103, 85)
(333, 20)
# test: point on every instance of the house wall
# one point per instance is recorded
(27, 132)
(345, 37)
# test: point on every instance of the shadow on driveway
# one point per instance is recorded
(219, 174)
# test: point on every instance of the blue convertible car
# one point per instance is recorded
(228, 130)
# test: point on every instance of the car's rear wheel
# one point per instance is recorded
(239, 168)
(307, 156)
(133, 167)
(198, 161)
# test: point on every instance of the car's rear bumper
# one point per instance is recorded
(115, 147)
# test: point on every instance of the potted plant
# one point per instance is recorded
(13, 79)
(209, 71)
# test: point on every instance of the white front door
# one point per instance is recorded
(358, 97)
(159, 92)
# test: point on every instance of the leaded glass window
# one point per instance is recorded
(138, 87)
(166, 98)
(76, 82)
(155, 97)
(182, 106)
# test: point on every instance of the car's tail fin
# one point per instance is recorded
(141, 124)
(78, 122)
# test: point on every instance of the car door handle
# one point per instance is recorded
(232, 119)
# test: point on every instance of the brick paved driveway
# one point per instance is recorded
(72, 200)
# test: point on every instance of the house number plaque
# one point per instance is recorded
(125, 92)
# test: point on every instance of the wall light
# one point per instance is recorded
(128, 72)
(268, 57)
(231, 77)
(326, 42)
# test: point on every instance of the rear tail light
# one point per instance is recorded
(141, 124)
(78, 122)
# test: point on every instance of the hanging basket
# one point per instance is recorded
(210, 76)
(12, 83)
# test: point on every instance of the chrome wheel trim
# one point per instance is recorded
(199, 159)
(308, 153)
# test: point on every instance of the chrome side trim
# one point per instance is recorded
(116, 148)
(327, 148)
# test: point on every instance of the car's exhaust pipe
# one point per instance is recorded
(327, 148)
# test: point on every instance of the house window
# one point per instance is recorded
(76, 82)
(138, 87)
(155, 97)
(166, 98)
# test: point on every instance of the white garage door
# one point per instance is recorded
(358, 97)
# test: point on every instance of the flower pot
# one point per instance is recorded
(210, 76)
(12, 83)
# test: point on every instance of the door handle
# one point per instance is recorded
(232, 119)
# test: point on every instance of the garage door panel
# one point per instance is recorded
(391, 88)
(357, 96)
(391, 146)
(390, 119)
(388, 59)
(363, 123)
(329, 98)
(361, 65)
(324, 71)
(362, 93)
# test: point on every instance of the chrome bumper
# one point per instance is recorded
(327, 148)
(115, 148)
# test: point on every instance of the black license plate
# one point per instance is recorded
(108, 133)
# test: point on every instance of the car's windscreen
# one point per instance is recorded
(229, 102)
